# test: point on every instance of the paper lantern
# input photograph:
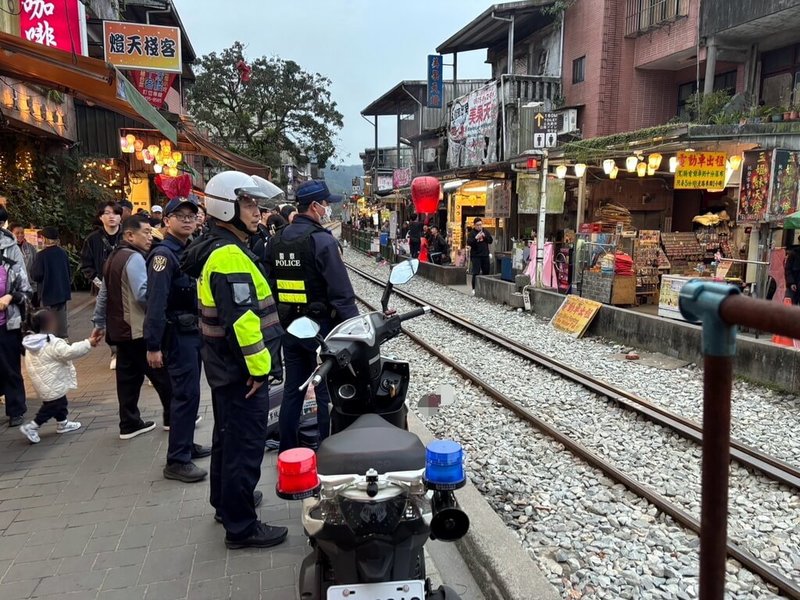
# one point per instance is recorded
(631, 162)
(138, 145)
(177, 157)
(673, 164)
(641, 169)
(147, 157)
(654, 161)
(608, 166)
(735, 161)
(650, 170)
(561, 171)
(153, 149)
(580, 169)
(614, 172)
(157, 168)
(131, 139)
(173, 172)
(425, 194)
(139, 155)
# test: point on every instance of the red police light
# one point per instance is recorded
(297, 474)
(533, 164)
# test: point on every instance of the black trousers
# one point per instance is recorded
(240, 433)
(480, 266)
(182, 358)
(11, 371)
(52, 409)
(131, 369)
(414, 246)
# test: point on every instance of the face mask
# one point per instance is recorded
(154, 221)
(328, 211)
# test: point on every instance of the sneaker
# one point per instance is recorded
(144, 427)
(185, 472)
(113, 364)
(199, 451)
(16, 421)
(263, 536)
(257, 498)
(31, 431)
(197, 419)
(66, 426)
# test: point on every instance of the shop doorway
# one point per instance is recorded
(468, 213)
(685, 207)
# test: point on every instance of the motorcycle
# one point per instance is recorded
(373, 494)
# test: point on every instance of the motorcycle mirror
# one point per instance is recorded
(304, 328)
(403, 272)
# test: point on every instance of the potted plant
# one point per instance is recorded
(787, 112)
(793, 116)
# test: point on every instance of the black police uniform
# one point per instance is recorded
(309, 279)
(171, 327)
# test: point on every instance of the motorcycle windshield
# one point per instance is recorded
(359, 329)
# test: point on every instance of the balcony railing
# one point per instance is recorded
(642, 16)
(529, 88)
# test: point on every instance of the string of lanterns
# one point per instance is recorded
(637, 164)
(163, 158)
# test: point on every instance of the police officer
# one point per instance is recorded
(311, 280)
(240, 331)
(173, 339)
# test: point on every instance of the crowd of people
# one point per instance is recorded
(176, 291)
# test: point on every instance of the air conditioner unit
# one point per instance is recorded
(567, 120)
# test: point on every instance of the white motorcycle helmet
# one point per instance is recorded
(223, 190)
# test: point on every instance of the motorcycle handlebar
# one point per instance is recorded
(413, 314)
(322, 371)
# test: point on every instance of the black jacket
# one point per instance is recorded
(96, 250)
(415, 231)
(52, 272)
(791, 268)
(437, 249)
(479, 248)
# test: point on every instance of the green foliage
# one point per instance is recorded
(703, 109)
(598, 148)
(281, 108)
(558, 8)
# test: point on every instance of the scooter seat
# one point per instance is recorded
(370, 442)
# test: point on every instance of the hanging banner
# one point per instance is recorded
(385, 183)
(498, 200)
(529, 192)
(755, 190)
(53, 24)
(401, 178)
(700, 171)
(785, 180)
(138, 46)
(435, 82)
(472, 134)
(153, 85)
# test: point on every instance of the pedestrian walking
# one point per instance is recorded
(127, 208)
(15, 293)
(48, 360)
(172, 337)
(478, 241)
(53, 276)
(311, 280)
(28, 252)
(119, 313)
(240, 335)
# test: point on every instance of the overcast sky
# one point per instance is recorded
(365, 47)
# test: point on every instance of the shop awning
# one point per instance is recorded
(208, 148)
(89, 79)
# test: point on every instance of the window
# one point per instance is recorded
(722, 81)
(643, 15)
(577, 69)
(780, 76)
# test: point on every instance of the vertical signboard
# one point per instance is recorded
(755, 191)
(785, 181)
(472, 134)
(56, 24)
(435, 82)
(153, 85)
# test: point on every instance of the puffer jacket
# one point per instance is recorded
(12, 260)
(49, 362)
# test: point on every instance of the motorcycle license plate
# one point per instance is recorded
(390, 590)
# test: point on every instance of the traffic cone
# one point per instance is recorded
(782, 340)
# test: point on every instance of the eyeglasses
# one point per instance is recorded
(186, 217)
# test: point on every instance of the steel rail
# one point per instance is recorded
(786, 586)
(747, 456)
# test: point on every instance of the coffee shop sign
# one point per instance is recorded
(54, 24)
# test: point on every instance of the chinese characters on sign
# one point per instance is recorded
(137, 46)
(754, 193)
(153, 85)
(785, 179)
(401, 178)
(435, 84)
(529, 193)
(56, 24)
(575, 315)
(498, 200)
(700, 171)
(472, 134)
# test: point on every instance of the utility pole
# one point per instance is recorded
(542, 219)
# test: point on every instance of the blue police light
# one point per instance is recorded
(444, 465)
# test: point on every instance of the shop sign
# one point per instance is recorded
(575, 315)
(472, 133)
(435, 82)
(785, 179)
(54, 24)
(401, 178)
(138, 46)
(669, 296)
(498, 200)
(153, 85)
(385, 183)
(529, 193)
(700, 171)
(755, 191)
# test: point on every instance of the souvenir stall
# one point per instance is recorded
(468, 202)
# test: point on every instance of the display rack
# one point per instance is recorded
(646, 250)
(683, 251)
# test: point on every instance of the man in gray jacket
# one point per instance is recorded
(15, 292)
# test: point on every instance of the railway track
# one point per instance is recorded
(749, 457)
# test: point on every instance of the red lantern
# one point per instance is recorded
(425, 194)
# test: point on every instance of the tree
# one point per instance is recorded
(268, 106)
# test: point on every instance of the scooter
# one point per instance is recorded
(373, 494)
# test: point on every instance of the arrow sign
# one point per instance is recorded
(539, 118)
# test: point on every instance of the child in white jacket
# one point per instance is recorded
(48, 360)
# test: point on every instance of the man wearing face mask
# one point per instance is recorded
(310, 279)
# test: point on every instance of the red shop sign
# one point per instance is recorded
(52, 23)
(153, 85)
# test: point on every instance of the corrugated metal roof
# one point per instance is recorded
(485, 31)
(398, 100)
